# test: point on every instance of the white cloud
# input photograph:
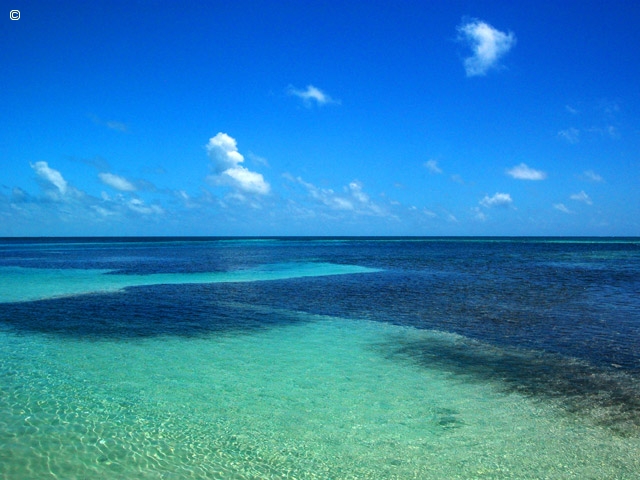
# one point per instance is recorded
(432, 166)
(562, 208)
(258, 159)
(245, 180)
(353, 200)
(498, 200)
(581, 197)
(609, 131)
(488, 45)
(114, 125)
(355, 188)
(139, 206)
(312, 95)
(592, 176)
(326, 196)
(457, 178)
(225, 158)
(523, 172)
(103, 212)
(117, 182)
(571, 135)
(111, 124)
(50, 175)
(479, 214)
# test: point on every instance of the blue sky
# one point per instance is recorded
(320, 118)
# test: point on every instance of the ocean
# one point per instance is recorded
(320, 358)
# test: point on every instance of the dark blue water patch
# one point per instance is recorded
(578, 298)
(606, 397)
(140, 312)
(564, 316)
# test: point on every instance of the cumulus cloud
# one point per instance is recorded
(117, 182)
(524, 172)
(488, 45)
(581, 197)
(51, 176)
(311, 95)
(432, 166)
(225, 159)
(497, 200)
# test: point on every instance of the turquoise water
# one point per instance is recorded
(21, 284)
(310, 400)
(268, 387)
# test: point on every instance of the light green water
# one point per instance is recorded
(18, 284)
(312, 399)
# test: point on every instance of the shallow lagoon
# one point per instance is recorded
(262, 379)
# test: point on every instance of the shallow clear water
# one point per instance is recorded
(358, 359)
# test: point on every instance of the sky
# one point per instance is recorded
(316, 117)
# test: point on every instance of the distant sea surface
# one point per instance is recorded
(327, 358)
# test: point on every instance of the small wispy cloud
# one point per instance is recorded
(591, 176)
(312, 96)
(110, 124)
(524, 172)
(608, 131)
(114, 125)
(571, 135)
(581, 197)
(138, 205)
(456, 178)
(497, 200)
(478, 214)
(117, 182)
(432, 166)
(562, 207)
(354, 199)
(488, 45)
(225, 158)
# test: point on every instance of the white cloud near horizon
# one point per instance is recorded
(226, 159)
(354, 199)
(497, 200)
(312, 95)
(139, 206)
(50, 175)
(488, 45)
(524, 172)
(117, 182)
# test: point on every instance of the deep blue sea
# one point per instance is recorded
(327, 358)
